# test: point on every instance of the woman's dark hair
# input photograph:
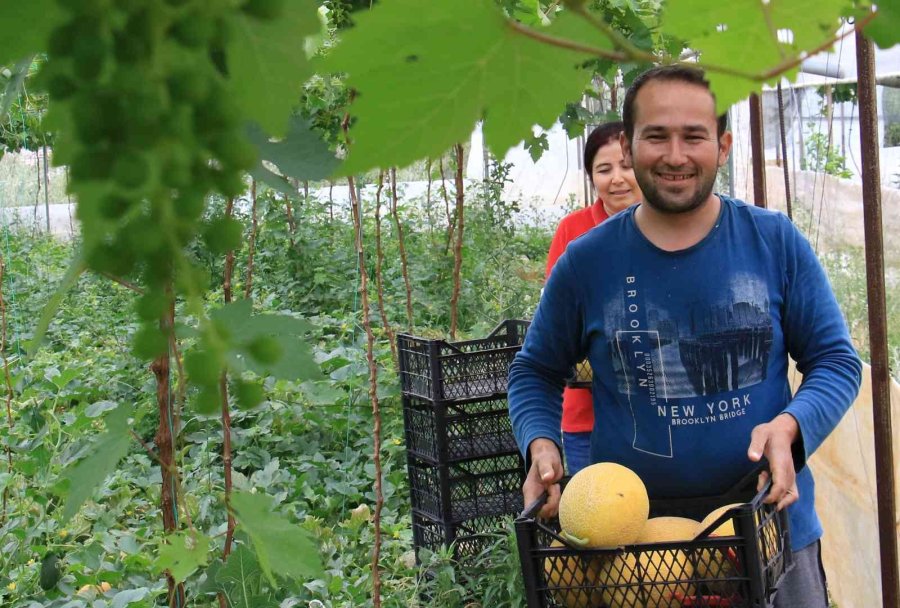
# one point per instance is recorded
(599, 137)
(666, 73)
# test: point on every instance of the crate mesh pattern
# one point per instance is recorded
(475, 488)
(440, 370)
(467, 538)
(739, 571)
(446, 432)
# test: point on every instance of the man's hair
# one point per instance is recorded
(666, 73)
(599, 137)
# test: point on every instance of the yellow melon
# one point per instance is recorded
(715, 564)
(604, 505)
(656, 579)
(568, 577)
(662, 529)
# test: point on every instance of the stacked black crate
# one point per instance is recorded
(465, 470)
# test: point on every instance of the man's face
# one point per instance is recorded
(675, 151)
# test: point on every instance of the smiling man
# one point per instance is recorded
(688, 306)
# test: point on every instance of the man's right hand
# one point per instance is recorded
(546, 470)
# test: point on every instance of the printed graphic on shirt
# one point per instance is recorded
(689, 365)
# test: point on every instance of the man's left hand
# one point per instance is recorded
(774, 440)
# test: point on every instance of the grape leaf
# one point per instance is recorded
(182, 555)
(25, 27)
(273, 180)
(884, 30)
(88, 473)
(267, 64)
(743, 34)
(240, 578)
(424, 78)
(301, 154)
(281, 546)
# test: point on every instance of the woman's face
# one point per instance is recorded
(614, 180)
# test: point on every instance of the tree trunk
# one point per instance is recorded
(379, 263)
(457, 254)
(373, 392)
(165, 445)
(428, 210)
(403, 264)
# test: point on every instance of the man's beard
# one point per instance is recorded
(659, 202)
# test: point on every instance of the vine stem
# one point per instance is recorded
(226, 414)
(373, 391)
(356, 211)
(379, 262)
(248, 284)
(404, 266)
(428, 197)
(122, 282)
(629, 52)
(292, 224)
(165, 443)
(9, 388)
(451, 220)
(457, 252)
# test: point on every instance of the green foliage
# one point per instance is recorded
(182, 554)
(281, 547)
(722, 32)
(883, 29)
(436, 74)
(24, 27)
(301, 154)
(266, 55)
(892, 134)
(821, 157)
(84, 476)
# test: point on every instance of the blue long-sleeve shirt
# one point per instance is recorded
(690, 351)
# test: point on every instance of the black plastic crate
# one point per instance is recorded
(582, 375)
(741, 571)
(451, 431)
(439, 370)
(452, 493)
(467, 538)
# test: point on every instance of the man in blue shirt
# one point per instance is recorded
(688, 306)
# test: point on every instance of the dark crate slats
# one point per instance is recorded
(465, 470)
(474, 488)
(451, 431)
(440, 370)
(467, 538)
(740, 571)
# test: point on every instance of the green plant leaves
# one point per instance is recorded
(182, 554)
(885, 28)
(25, 26)
(282, 547)
(267, 63)
(88, 473)
(744, 35)
(301, 154)
(424, 78)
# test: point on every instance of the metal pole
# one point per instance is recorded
(758, 159)
(784, 166)
(881, 400)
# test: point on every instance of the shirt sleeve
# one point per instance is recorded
(553, 344)
(818, 340)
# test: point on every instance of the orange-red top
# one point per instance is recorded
(578, 406)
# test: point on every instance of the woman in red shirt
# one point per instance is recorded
(616, 189)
